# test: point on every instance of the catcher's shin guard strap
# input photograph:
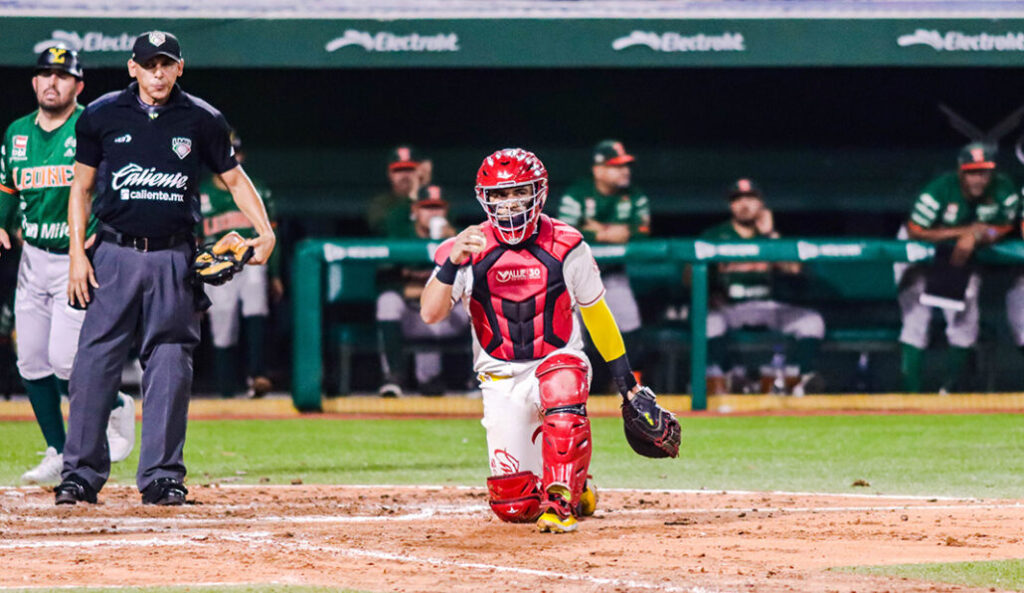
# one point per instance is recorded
(515, 498)
(566, 446)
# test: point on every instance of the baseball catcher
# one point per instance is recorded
(218, 262)
(521, 277)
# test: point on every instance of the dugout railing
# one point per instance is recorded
(344, 269)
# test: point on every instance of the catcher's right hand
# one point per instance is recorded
(651, 430)
(219, 262)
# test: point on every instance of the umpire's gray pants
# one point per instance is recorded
(145, 294)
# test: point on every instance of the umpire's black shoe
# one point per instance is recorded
(72, 490)
(164, 492)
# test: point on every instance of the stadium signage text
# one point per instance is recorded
(959, 41)
(677, 42)
(384, 41)
(334, 253)
(92, 41)
(709, 250)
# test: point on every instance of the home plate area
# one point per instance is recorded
(445, 539)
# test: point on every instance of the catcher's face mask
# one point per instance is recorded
(512, 210)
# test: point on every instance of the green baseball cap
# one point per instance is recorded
(403, 157)
(430, 195)
(611, 152)
(743, 187)
(977, 156)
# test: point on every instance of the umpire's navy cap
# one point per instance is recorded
(59, 57)
(156, 43)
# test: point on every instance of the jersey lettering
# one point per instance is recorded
(47, 176)
(225, 222)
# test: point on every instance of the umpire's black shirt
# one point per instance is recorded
(149, 161)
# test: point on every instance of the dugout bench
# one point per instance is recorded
(343, 269)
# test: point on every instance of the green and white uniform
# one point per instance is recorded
(36, 169)
(941, 205)
(581, 203)
(749, 292)
(247, 292)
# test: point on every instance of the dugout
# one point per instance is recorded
(833, 110)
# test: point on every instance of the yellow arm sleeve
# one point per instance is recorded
(603, 330)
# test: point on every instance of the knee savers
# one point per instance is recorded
(515, 498)
(566, 445)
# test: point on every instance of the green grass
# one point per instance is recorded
(1001, 574)
(940, 455)
(199, 589)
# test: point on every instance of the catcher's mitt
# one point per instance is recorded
(218, 262)
(651, 430)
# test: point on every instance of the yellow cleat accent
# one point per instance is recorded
(588, 501)
(550, 522)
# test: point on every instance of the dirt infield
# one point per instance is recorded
(445, 540)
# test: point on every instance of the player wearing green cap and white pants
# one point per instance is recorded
(969, 208)
(247, 294)
(609, 209)
(36, 167)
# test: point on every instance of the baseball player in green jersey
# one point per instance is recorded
(398, 315)
(388, 212)
(959, 211)
(743, 294)
(608, 208)
(36, 167)
(247, 293)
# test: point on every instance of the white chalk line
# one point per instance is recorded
(441, 487)
(262, 539)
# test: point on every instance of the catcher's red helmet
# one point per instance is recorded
(514, 218)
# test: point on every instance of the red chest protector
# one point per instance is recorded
(520, 306)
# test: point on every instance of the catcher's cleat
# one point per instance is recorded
(588, 500)
(557, 516)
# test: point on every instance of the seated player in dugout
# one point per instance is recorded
(521, 276)
(742, 295)
(398, 307)
(607, 208)
(959, 211)
(248, 295)
(388, 211)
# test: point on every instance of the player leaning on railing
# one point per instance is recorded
(521, 275)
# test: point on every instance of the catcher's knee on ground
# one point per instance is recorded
(515, 498)
(566, 446)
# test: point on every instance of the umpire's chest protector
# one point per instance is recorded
(520, 307)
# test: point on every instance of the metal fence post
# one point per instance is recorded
(698, 333)
(307, 303)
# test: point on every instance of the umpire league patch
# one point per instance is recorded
(181, 146)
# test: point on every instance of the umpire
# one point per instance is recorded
(142, 150)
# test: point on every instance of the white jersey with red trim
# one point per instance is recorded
(522, 299)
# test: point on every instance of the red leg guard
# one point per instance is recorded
(566, 446)
(515, 497)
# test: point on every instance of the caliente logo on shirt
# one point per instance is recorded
(132, 176)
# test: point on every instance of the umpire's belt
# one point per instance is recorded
(143, 243)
